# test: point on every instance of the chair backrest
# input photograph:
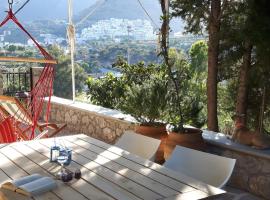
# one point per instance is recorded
(208, 168)
(7, 133)
(14, 108)
(140, 145)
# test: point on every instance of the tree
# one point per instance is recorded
(185, 105)
(11, 48)
(257, 30)
(213, 52)
(242, 95)
(203, 15)
(62, 82)
(198, 55)
(243, 65)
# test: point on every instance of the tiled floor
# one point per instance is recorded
(235, 194)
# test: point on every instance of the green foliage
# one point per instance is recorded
(146, 102)
(11, 48)
(136, 73)
(140, 91)
(63, 80)
(148, 94)
(198, 57)
(185, 101)
(106, 91)
(194, 12)
(245, 21)
(227, 92)
(103, 53)
(241, 22)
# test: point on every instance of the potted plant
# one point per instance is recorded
(184, 105)
(145, 94)
(146, 102)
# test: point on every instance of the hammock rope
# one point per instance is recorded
(42, 88)
(71, 38)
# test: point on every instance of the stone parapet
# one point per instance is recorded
(95, 121)
(252, 168)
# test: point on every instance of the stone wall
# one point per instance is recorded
(252, 169)
(101, 123)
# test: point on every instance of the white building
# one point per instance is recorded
(119, 28)
(52, 39)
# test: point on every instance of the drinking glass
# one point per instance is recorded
(61, 160)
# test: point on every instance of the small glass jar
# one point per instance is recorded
(69, 152)
(55, 152)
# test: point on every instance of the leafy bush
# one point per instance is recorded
(107, 91)
(140, 91)
(146, 102)
(149, 93)
(185, 93)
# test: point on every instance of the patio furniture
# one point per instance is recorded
(108, 172)
(44, 85)
(140, 145)
(208, 168)
(12, 108)
(7, 134)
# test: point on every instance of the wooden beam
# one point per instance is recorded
(30, 60)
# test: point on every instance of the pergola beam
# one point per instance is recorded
(29, 60)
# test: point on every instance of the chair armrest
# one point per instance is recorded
(43, 125)
(41, 135)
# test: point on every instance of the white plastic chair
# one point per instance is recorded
(140, 145)
(208, 168)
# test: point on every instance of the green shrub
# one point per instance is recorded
(107, 91)
(146, 102)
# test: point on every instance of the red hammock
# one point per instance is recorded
(35, 103)
(7, 128)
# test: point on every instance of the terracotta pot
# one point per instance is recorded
(152, 131)
(157, 132)
(191, 139)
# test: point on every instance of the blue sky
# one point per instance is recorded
(44, 9)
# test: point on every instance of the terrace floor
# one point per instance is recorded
(235, 194)
(232, 193)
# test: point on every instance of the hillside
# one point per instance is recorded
(41, 13)
(57, 9)
(128, 9)
(122, 9)
(49, 9)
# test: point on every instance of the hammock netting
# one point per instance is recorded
(35, 103)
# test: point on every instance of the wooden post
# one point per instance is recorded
(29, 60)
(1, 82)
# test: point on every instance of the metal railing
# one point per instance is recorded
(17, 81)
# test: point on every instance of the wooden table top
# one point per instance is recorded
(108, 172)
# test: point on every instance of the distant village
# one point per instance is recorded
(116, 30)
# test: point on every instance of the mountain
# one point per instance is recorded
(57, 9)
(128, 9)
(37, 10)
(48, 9)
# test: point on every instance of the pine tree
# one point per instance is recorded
(206, 15)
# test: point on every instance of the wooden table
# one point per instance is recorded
(107, 172)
